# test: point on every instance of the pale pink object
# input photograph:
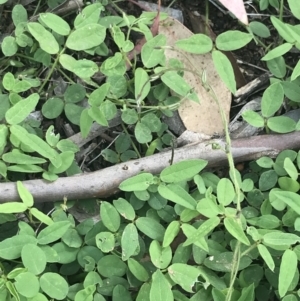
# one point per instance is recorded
(236, 7)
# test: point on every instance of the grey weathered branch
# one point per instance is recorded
(105, 182)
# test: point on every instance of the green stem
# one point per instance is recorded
(249, 249)
(51, 71)
(132, 143)
(237, 251)
(281, 10)
(235, 268)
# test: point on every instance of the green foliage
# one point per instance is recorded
(144, 248)
(183, 235)
(68, 48)
(284, 89)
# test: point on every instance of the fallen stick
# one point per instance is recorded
(105, 182)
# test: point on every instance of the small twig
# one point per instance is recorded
(105, 182)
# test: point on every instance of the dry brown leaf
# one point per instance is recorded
(205, 117)
(237, 7)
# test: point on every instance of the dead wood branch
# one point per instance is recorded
(104, 183)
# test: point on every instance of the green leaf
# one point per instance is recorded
(189, 231)
(34, 259)
(73, 112)
(290, 198)
(98, 95)
(265, 162)
(22, 109)
(109, 109)
(52, 108)
(152, 122)
(182, 171)
(197, 43)
(247, 293)
(184, 275)
(142, 133)
(129, 241)
(46, 40)
(150, 227)
(171, 232)
(34, 142)
(277, 67)
(253, 118)
(267, 180)
(105, 241)
(89, 15)
(224, 69)
(88, 36)
(86, 122)
(232, 40)
(129, 116)
(294, 7)
(25, 168)
(74, 93)
(92, 278)
(152, 52)
(160, 288)
(211, 278)
(144, 292)
(205, 228)
(124, 208)
(160, 257)
(113, 66)
(282, 30)
(296, 71)
(259, 29)
(85, 68)
(13, 207)
(55, 23)
(225, 192)
(9, 46)
(110, 155)
(233, 226)
(272, 100)
(110, 266)
(218, 295)
(85, 294)
(72, 239)
(137, 183)
(138, 271)
(53, 232)
(288, 267)
(19, 14)
(278, 51)
(290, 168)
(177, 83)
(67, 158)
(96, 114)
(54, 285)
(21, 284)
(42, 217)
(208, 207)
(10, 248)
(265, 254)
(281, 124)
(67, 61)
(223, 262)
(178, 195)
(15, 272)
(280, 238)
(8, 81)
(110, 216)
(24, 194)
(17, 157)
(141, 84)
